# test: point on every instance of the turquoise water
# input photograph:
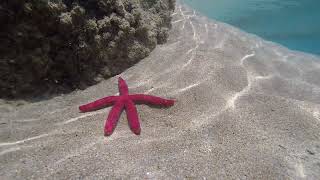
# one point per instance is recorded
(292, 23)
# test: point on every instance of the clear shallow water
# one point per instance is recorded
(292, 23)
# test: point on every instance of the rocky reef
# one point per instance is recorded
(59, 45)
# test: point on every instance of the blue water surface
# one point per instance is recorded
(292, 23)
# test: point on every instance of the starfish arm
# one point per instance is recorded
(123, 87)
(133, 118)
(107, 101)
(153, 100)
(113, 118)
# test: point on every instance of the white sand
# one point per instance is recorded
(246, 109)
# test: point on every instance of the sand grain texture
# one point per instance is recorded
(246, 109)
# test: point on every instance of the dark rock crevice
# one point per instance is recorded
(50, 46)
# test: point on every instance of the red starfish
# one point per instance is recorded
(124, 101)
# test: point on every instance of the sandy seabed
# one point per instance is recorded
(246, 109)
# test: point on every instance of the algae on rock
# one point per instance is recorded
(60, 45)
